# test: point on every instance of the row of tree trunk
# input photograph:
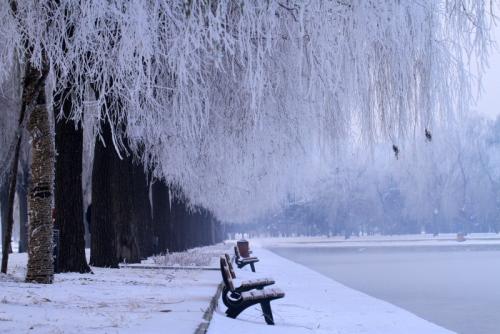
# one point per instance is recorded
(22, 195)
(132, 217)
(124, 226)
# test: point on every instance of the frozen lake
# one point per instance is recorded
(455, 287)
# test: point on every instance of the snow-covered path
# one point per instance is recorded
(317, 304)
(110, 301)
(130, 300)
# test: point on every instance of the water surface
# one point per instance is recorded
(455, 287)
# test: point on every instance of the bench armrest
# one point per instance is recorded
(253, 284)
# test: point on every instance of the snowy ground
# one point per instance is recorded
(131, 300)
(317, 304)
(122, 300)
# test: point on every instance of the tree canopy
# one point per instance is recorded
(242, 103)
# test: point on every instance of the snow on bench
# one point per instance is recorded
(237, 299)
(243, 261)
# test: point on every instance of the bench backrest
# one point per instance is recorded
(230, 265)
(226, 275)
(237, 252)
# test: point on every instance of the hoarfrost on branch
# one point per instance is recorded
(242, 103)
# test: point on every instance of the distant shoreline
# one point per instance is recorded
(477, 241)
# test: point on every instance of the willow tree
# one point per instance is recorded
(69, 166)
(259, 94)
(240, 103)
(34, 115)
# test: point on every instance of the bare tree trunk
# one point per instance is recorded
(211, 228)
(68, 190)
(40, 261)
(141, 210)
(30, 92)
(219, 231)
(102, 229)
(161, 213)
(4, 205)
(12, 178)
(23, 180)
(121, 212)
(34, 112)
(22, 195)
(124, 206)
(188, 235)
(177, 234)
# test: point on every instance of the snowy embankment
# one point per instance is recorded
(148, 300)
(317, 304)
(409, 240)
(125, 300)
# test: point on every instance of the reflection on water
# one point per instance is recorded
(455, 287)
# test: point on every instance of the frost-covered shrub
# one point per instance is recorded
(199, 256)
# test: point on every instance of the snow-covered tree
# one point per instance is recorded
(240, 103)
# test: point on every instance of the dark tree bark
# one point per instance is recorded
(221, 235)
(177, 235)
(190, 234)
(209, 228)
(4, 204)
(40, 261)
(200, 228)
(33, 112)
(8, 204)
(68, 189)
(121, 228)
(161, 214)
(102, 244)
(141, 210)
(217, 230)
(213, 230)
(4, 198)
(185, 235)
(210, 237)
(191, 229)
(123, 204)
(22, 196)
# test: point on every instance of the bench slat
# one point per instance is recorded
(248, 259)
(254, 282)
(262, 294)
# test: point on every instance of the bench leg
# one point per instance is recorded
(252, 266)
(233, 312)
(267, 312)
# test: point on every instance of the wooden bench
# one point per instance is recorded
(246, 285)
(243, 261)
(237, 299)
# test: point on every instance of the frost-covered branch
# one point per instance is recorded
(240, 103)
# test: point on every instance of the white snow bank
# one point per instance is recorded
(316, 304)
(473, 239)
(110, 301)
